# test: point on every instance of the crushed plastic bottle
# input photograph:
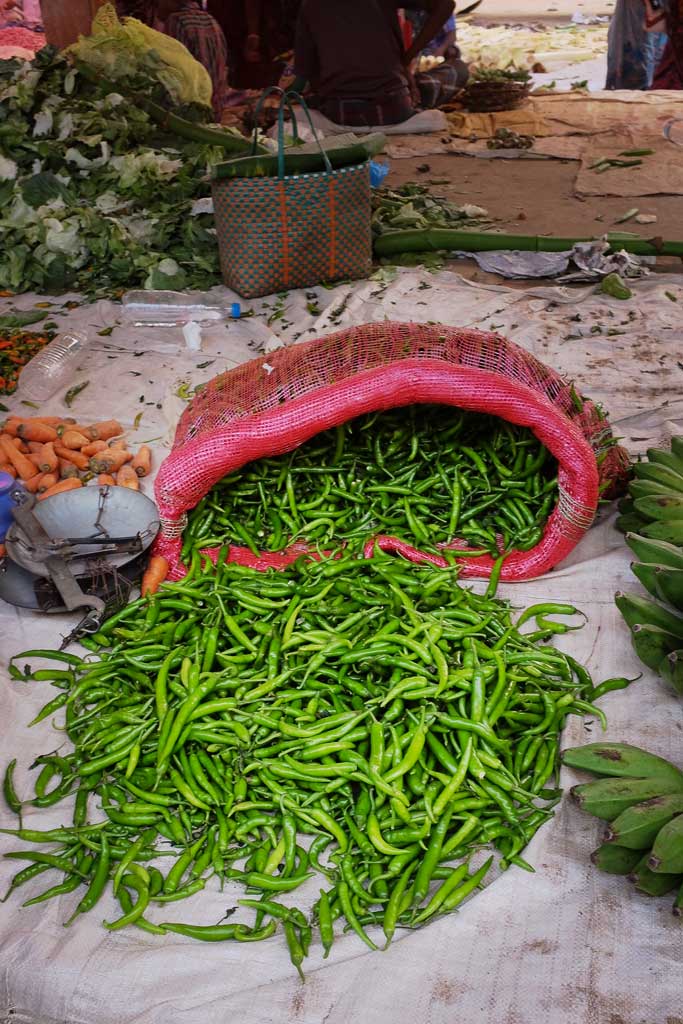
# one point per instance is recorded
(52, 368)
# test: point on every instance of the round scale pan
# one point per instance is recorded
(89, 512)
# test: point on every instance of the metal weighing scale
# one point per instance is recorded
(82, 549)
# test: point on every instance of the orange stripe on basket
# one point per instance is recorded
(283, 231)
(332, 270)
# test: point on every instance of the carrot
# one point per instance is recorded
(109, 461)
(3, 550)
(13, 424)
(36, 460)
(104, 480)
(49, 457)
(78, 458)
(33, 484)
(51, 421)
(63, 485)
(127, 477)
(74, 439)
(20, 445)
(48, 480)
(24, 467)
(67, 470)
(32, 431)
(35, 446)
(105, 430)
(155, 574)
(94, 448)
(119, 445)
(7, 467)
(142, 463)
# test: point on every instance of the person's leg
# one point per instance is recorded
(626, 53)
(367, 113)
(654, 51)
(441, 84)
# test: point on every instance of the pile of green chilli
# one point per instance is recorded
(366, 725)
(427, 474)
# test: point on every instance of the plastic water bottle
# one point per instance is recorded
(174, 309)
(52, 367)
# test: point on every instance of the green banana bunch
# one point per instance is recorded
(653, 520)
(655, 508)
(641, 796)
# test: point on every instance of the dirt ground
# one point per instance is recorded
(537, 198)
(531, 196)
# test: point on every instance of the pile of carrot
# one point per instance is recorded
(50, 454)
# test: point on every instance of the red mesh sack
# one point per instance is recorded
(273, 404)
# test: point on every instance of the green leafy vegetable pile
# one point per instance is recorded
(94, 197)
(414, 206)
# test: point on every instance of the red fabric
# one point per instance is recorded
(273, 404)
(23, 37)
(406, 30)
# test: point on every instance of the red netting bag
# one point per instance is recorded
(273, 404)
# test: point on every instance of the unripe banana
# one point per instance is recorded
(655, 552)
(658, 474)
(669, 530)
(645, 573)
(615, 860)
(647, 489)
(642, 611)
(671, 671)
(664, 458)
(637, 827)
(669, 584)
(621, 760)
(663, 506)
(651, 884)
(677, 909)
(608, 798)
(677, 445)
(667, 849)
(653, 645)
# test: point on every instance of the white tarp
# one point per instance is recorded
(564, 945)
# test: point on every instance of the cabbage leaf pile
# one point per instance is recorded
(94, 197)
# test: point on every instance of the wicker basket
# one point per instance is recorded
(483, 97)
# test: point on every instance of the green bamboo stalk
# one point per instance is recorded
(203, 134)
(449, 239)
(301, 163)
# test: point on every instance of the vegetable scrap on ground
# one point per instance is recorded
(17, 348)
(398, 721)
(528, 46)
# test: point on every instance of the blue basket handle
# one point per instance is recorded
(286, 101)
(259, 107)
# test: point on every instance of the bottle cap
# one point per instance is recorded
(235, 311)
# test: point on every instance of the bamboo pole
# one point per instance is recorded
(233, 145)
(451, 240)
